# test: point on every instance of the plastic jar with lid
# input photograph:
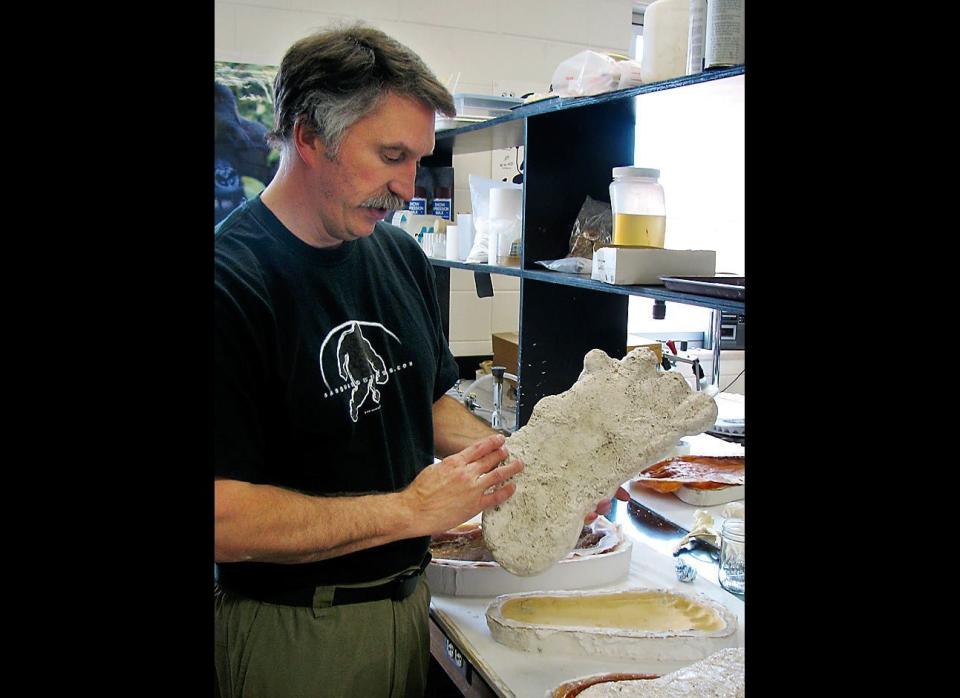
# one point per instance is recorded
(639, 209)
(665, 34)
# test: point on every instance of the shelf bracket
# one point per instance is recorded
(484, 284)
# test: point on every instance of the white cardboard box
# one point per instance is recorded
(645, 265)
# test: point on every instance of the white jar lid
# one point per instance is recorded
(636, 172)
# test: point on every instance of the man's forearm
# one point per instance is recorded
(269, 524)
(455, 427)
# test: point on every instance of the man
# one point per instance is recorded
(330, 376)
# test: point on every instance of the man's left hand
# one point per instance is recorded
(606, 504)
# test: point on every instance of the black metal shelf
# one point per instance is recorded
(570, 148)
(470, 266)
(582, 281)
(647, 291)
(507, 130)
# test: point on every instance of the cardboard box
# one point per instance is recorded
(645, 265)
(635, 340)
(506, 348)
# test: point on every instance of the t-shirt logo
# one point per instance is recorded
(360, 367)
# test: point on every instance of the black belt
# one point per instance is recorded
(396, 589)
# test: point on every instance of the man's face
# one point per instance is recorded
(378, 155)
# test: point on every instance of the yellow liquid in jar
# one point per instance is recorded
(639, 230)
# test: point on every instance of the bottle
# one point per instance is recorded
(665, 29)
(733, 561)
(418, 204)
(696, 36)
(639, 208)
(421, 191)
(724, 35)
(441, 204)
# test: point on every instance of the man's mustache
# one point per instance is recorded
(385, 200)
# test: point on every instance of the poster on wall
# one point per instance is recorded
(244, 163)
(507, 165)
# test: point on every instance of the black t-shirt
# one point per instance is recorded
(327, 364)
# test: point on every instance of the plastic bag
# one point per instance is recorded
(586, 73)
(590, 73)
(480, 201)
(592, 229)
(571, 265)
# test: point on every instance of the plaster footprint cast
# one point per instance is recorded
(579, 446)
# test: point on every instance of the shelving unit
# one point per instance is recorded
(570, 148)
(583, 281)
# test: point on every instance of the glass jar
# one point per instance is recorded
(639, 209)
(733, 561)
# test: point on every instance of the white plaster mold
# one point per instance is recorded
(697, 625)
(619, 417)
(709, 498)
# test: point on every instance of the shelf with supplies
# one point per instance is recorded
(471, 266)
(583, 281)
(507, 131)
(570, 146)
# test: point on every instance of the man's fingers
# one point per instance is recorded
(622, 495)
(498, 475)
(482, 447)
(498, 496)
(604, 507)
(490, 460)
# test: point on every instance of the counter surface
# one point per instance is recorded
(511, 672)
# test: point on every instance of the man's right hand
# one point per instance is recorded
(447, 493)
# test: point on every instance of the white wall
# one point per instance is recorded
(495, 46)
(695, 136)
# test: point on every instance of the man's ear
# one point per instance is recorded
(308, 143)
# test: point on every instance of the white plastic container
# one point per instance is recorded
(665, 30)
(639, 207)
(465, 234)
(453, 242)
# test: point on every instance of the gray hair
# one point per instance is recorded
(331, 79)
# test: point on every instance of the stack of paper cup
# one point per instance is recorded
(453, 243)
(465, 235)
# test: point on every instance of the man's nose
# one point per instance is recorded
(403, 185)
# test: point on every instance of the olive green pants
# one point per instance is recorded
(369, 650)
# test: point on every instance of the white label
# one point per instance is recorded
(724, 35)
(441, 208)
